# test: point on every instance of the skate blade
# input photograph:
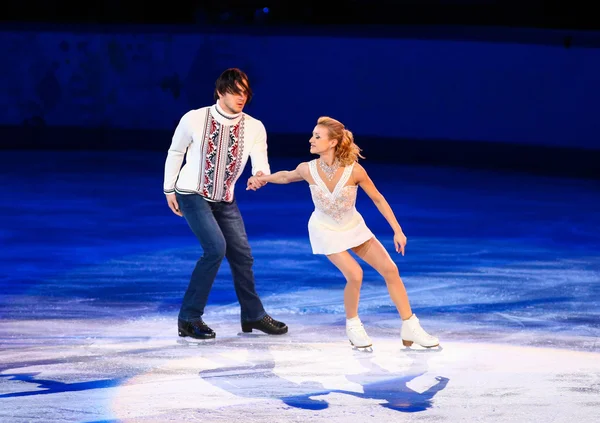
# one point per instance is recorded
(423, 349)
(251, 334)
(194, 341)
(366, 348)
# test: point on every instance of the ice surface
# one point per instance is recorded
(504, 268)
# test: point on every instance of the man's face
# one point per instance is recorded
(233, 103)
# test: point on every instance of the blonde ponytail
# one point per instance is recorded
(346, 150)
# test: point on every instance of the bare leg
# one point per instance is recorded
(377, 256)
(353, 274)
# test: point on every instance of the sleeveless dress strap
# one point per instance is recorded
(316, 177)
(312, 166)
(342, 182)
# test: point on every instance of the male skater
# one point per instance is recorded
(217, 142)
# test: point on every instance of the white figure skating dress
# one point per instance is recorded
(335, 225)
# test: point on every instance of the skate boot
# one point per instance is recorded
(413, 332)
(357, 335)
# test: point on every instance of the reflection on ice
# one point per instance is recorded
(503, 268)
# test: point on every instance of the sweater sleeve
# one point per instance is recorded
(258, 154)
(180, 142)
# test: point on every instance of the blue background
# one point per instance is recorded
(476, 85)
(93, 255)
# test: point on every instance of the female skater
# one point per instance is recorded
(336, 226)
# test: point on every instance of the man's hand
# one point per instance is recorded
(255, 182)
(172, 202)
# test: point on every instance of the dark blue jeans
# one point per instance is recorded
(220, 229)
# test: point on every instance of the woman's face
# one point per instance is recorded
(320, 141)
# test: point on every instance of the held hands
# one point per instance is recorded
(400, 242)
(172, 202)
(255, 182)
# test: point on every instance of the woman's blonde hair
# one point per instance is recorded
(346, 151)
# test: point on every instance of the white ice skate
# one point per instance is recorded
(358, 336)
(413, 332)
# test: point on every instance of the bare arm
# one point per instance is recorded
(362, 179)
(287, 176)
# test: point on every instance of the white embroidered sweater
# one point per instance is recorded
(216, 146)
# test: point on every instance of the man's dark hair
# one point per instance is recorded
(228, 83)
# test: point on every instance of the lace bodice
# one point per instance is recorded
(338, 205)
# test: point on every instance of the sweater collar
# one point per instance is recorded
(225, 118)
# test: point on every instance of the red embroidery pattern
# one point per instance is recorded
(221, 164)
(234, 158)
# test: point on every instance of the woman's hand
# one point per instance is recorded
(400, 242)
(255, 182)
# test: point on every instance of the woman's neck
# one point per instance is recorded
(328, 157)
